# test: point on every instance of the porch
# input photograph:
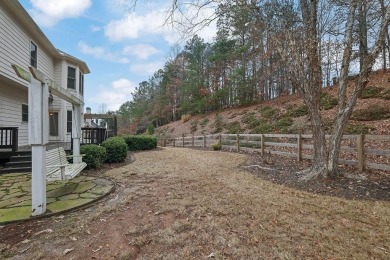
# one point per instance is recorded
(17, 159)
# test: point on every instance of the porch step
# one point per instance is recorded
(15, 170)
(18, 162)
(20, 158)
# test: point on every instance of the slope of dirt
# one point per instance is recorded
(176, 203)
(206, 124)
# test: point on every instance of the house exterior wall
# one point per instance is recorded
(15, 49)
(11, 110)
(15, 42)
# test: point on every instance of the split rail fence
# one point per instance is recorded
(361, 151)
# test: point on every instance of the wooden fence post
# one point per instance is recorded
(238, 143)
(204, 141)
(299, 152)
(174, 142)
(360, 152)
(262, 144)
(183, 140)
(192, 141)
(220, 140)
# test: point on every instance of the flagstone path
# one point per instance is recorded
(15, 195)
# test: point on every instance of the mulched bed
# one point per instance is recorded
(369, 185)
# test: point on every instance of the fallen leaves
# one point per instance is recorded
(66, 251)
(44, 231)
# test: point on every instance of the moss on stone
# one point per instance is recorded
(59, 206)
(61, 191)
(100, 190)
(88, 195)
(84, 186)
(17, 213)
(69, 197)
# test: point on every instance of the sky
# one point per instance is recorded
(121, 46)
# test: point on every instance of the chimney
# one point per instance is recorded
(89, 121)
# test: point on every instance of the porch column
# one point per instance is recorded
(76, 133)
(38, 118)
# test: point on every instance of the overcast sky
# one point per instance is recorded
(121, 47)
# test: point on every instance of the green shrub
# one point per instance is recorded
(233, 127)
(298, 111)
(372, 113)
(94, 155)
(216, 146)
(283, 124)
(328, 101)
(204, 122)
(218, 124)
(150, 129)
(385, 94)
(194, 126)
(370, 92)
(269, 112)
(116, 148)
(264, 128)
(140, 142)
(353, 129)
(248, 118)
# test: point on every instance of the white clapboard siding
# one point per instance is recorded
(11, 100)
(15, 49)
(58, 72)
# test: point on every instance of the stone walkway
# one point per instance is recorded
(15, 195)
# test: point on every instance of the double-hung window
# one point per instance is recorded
(81, 83)
(24, 113)
(69, 121)
(33, 55)
(71, 78)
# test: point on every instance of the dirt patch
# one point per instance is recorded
(176, 203)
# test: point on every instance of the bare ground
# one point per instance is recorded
(175, 203)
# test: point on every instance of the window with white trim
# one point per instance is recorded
(24, 113)
(81, 83)
(33, 55)
(71, 78)
(69, 121)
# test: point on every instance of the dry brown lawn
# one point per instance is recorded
(175, 203)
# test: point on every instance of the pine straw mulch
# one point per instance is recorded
(368, 185)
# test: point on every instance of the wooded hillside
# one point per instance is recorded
(288, 114)
(249, 61)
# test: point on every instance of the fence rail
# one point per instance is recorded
(361, 151)
(9, 138)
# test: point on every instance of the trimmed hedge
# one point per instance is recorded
(116, 149)
(94, 155)
(140, 142)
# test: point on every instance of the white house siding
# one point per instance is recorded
(45, 63)
(11, 100)
(15, 48)
(15, 41)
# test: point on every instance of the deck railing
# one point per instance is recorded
(9, 138)
(90, 135)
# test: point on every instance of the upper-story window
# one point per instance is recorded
(34, 55)
(81, 83)
(71, 78)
